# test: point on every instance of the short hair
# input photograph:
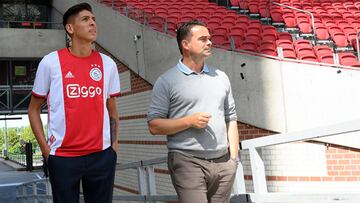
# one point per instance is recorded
(74, 10)
(184, 30)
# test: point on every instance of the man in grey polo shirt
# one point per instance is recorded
(193, 105)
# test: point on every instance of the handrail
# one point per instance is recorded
(330, 130)
(304, 11)
(357, 45)
(257, 164)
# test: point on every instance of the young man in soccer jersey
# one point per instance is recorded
(192, 104)
(80, 86)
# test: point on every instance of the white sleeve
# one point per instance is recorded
(114, 83)
(42, 80)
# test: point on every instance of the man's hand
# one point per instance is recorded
(114, 146)
(199, 120)
(46, 153)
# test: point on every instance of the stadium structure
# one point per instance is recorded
(294, 70)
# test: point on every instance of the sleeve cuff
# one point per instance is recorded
(38, 95)
(115, 94)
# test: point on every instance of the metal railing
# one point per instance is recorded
(31, 25)
(21, 159)
(303, 11)
(357, 45)
(15, 98)
(261, 193)
(37, 191)
(147, 181)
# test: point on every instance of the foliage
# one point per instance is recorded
(15, 135)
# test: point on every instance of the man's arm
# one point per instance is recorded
(162, 126)
(114, 117)
(233, 138)
(34, 111)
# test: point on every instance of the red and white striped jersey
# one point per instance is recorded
(76, 89)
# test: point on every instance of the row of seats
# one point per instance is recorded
(226, 26)
(333, 20)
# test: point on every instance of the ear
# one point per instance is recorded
(185, 44)
(69, 28)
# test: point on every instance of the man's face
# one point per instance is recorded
(83, 26)
(199, 43)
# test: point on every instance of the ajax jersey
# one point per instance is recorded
(76, 89)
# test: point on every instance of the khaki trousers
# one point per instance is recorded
(201, 181)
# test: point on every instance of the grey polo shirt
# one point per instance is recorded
(181, 92)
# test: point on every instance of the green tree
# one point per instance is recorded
(27, 135)
(2, 141)
(13, 140)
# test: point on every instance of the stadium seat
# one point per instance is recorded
(269, 36)
(308, 57)
(253, 30)
(267, 51)
(322, 50)
(238, 38)
(253, 36)
(248, 45)
(305, 27)
(347, 59)
(285, 36)
(289, 53)
(219, 39)
(284, 43)
(339, 39)
(322, 33)
(220, 30)
(237, 30)
(289, 20)
(326, 58)
(302, 43)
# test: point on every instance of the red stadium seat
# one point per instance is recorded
(289, 53)
(268, 44)
(253, 7)
(238, 38)
(269, 36)
(253, 36)
(347, 59)
(248, 45)
(267, 51)
(340, 39)
(309, 57)
(276, 16)
(284, 43)
(220, 30)
(305, 27)
(302, 43)
(219, 39)
(285, 36)
(322, 33)
(289, 20)
(253, 30)
(322, 50)
(237, 30)
(326, 58)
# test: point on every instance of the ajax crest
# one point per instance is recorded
(95, 72)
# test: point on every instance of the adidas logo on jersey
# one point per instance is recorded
(69, 75)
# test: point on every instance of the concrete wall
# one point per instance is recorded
(22, 43)
(274, 95)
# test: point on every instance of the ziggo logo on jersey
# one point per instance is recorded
(76, 91)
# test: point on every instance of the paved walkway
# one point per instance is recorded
(10, 177)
